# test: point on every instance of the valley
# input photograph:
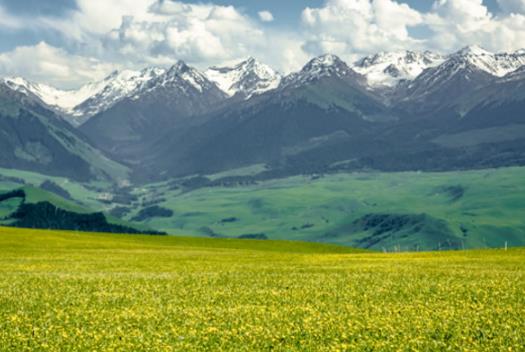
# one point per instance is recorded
(404, 211)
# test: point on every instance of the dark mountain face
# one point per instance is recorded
(440, 88)
(168, 102)
(323, 104)
(325, 117)
(269, 135)
(35, 139)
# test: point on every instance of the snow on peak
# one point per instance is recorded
(180, 72)
(106, 93)
(249, 77)
(61, 99)
(78, 105)
(497, 65)
(178, 68)
(325, 65)
(473, 50)
(324, 61)
(318, 68)
(387, 69)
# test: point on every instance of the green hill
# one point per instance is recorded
(382, 211)
(406, 211)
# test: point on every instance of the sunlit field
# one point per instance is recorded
(92, 292)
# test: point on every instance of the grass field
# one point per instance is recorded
(487, 204)
(94, 292)
(471, 209)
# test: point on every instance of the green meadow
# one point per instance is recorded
(406, 211)
(479, 208)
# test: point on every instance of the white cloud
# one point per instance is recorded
(350, 27)
(45, 63)
(456, 23)
(98, 17)
(195, 33)
(266, 16)
(201, 34)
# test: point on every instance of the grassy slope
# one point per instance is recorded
(62, 291)
(35, 195)
(491, 207)
(88, 198)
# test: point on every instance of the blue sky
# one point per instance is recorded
(69, 42)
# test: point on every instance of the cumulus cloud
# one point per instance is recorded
(201, 34)
(98, 17)
(195, 33)
(457, 23)
(45, 63)
(350, 27)
(353, 28)
(266, 16)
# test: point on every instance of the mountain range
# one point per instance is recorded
(391, 111)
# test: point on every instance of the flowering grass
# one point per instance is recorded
(63, 291)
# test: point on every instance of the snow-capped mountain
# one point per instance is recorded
(409, 75)
(163, 104)
(247, 78)
(60, 99)
(386, 69)
(471, 64)
(499, 64)
(320, 67)
(180, 77)
(115, 87)
(462, 73)
(79, 105)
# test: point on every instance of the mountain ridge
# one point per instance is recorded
(249, 77)
(177, 121)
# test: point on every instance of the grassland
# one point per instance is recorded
(473, 209)
(487, 204)
(87, 292)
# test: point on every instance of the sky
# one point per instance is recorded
(67, 43)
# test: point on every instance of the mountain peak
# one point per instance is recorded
(387, 69)
(325, 60)
(247, 78)
(477, 58)
(473, 50)
(178, 67)
(326, 64)
(250, 60)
